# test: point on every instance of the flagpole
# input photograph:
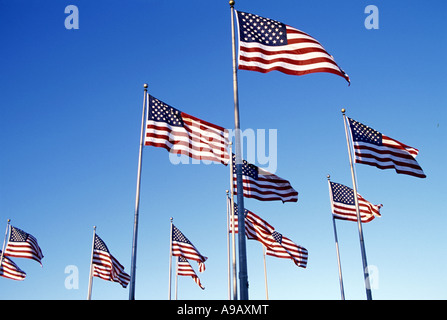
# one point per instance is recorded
(170, 261)
(265, 274)
(243, 274)
(90, 280)
(228, 244)
(137, 202)
(359, 220)
(4, 242)
(342, 291)
(176, 276)
(233, 228)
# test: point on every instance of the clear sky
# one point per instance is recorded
(70, 111)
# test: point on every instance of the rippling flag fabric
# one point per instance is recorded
(263, 185)
(181, 133)
(185, 269)
(266, 45)
(10, 270)
(105, 266)
(182, 247)
(376, 149)
(23, 245)
(343, 204)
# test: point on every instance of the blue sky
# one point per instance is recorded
(70, 109)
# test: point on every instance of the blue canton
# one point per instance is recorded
(18, 235)
(160, 111)
(100, 245)
(342, 194)
(177, 235)
(277, 236)
(254, 28)
(363, 133)
(248, 169)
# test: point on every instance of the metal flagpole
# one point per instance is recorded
(265, 274)
(243, 274)
(90, 280)
(176, 276)
(228, 244)
(342, 291)
(359, 221)
(233, 230)
(170, 261)
(133, 265)
(4, 242)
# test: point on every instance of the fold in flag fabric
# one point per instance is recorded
(181, 133)
(343, 204)
(10, 270)
(276, 244)
(185, 269)
(285, 248)
(105, 266)
(376, 149)
(266, 45)
(263, 185)
(23, 245)
(182, 247)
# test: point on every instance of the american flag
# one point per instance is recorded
(283, 247)
(105, 266)
(276, 244)
(182, 247)
(23, 245)
(256, 228)
(375, 149)
(10, 270)
(266, 45)
(263, 185)
(343, 205)
(184, 269)
(181, 133)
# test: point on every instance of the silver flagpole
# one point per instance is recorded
(233, 230)
(133, 265)
(4, 242)
(228, 244)
(170, 261)
(90, 279)
(342, 291)
(359, 221)
(265, 274)
(176, 276)
(243, 274)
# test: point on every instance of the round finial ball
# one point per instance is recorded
(145, 86)
(231, 2)
(343, 110)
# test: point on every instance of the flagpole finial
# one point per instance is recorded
(145, 86)
(231, 3)
(343, 110)
(328, 176)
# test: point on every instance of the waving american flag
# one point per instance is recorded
(263, 185)
(105, 266)
(266, 45)
(182, 247)
(23, 245)
(376, 149)
(181, 133)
